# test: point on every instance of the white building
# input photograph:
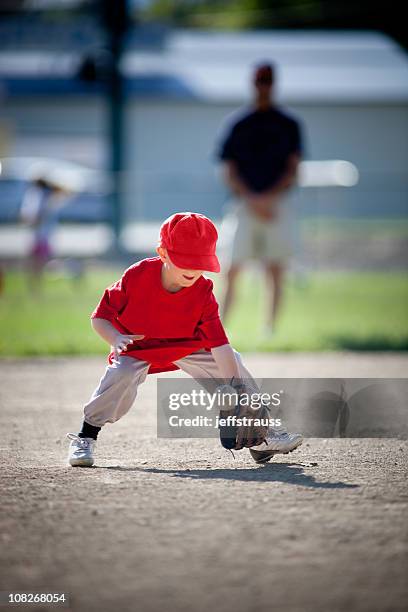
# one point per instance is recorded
(349, 89)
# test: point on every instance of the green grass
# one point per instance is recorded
(326, 311)
(55, 322)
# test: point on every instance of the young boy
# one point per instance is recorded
(162, 315)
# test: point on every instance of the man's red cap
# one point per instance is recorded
(190, 239)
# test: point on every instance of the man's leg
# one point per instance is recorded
(275, 273)
(239, 239)
(230, 290)
(276, 256)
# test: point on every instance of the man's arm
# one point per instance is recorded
(288, 179)
(261, 204)
(233, 179)
(265, 204)
(257, 202)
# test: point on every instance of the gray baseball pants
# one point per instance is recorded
(117, 389)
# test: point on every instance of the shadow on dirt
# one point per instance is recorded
(291, 473)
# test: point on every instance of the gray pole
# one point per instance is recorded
(115, 19)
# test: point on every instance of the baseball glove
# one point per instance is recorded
(242, 423)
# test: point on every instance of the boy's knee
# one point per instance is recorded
(126, 367)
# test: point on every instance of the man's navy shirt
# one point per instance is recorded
(260, 144)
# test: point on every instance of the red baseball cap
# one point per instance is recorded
(190, 239)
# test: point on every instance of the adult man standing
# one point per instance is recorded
(261, 153)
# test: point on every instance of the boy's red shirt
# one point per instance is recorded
(174, 324)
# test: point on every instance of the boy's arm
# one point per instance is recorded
(107, 332)
(226, 362)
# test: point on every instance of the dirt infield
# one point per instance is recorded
(180, 526)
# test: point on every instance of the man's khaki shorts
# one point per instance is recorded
(243, 236)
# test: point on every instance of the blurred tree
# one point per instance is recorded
(11, 6)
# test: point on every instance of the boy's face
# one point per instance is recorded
(178, 276)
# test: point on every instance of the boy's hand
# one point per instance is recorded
(121, 342)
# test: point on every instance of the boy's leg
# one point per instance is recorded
(116, 391)
(111, 400)
(202, 365)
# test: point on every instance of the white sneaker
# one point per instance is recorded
(277, 441)
(261, 456)
(280, 441)
(80, 451)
